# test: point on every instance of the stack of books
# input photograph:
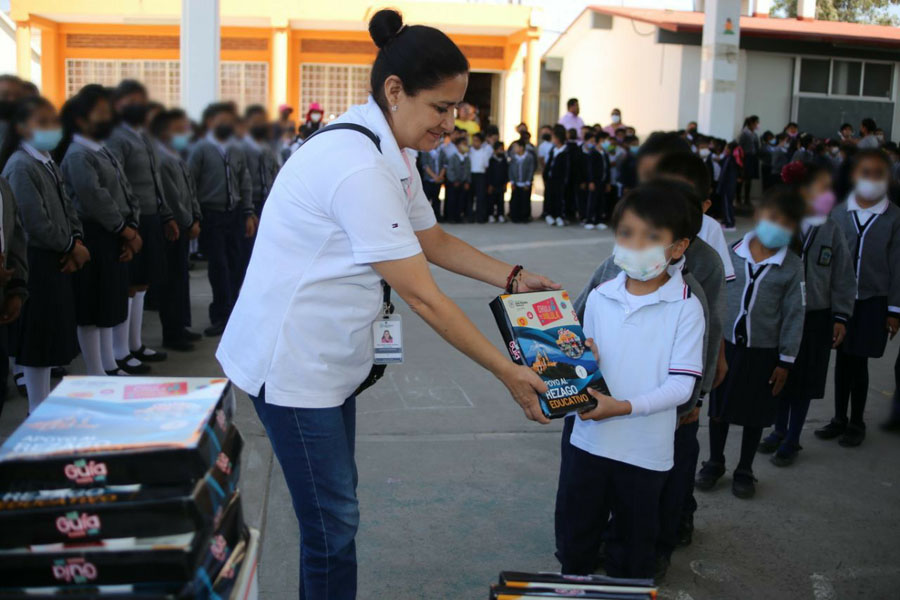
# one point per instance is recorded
(125, 487)
(520, 586)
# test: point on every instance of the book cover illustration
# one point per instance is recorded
(542, 331)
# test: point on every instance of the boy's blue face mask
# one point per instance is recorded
(46, 140)
(180, 141)
(773, 236)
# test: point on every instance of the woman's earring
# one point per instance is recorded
(394, 108)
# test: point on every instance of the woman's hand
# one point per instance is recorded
(532, 282)
(250, 226)
(194, 232)
(80, 254)
(12, 308)
(892, 324)
(778, 379)
(838, 334)
(170, 230)
(607, 407)
(525, 385)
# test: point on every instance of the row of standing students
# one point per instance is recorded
(108, 204)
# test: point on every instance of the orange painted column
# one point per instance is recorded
(23, 50)
(532, 85)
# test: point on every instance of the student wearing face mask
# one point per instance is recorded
(867, 138)
(171, 131)
(766, 145)
(763, 328)
(459, 177)
(749, 143)
(615, 122)
(225, 194)
(780, 157)
(830, 292)
(257, 148)
(871, 225)
(314, 118)
(618, 466)
(139, 160)
(46, 333)
(497, 175)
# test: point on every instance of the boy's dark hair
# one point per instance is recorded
(662, 204)
(421, 56)
(127, 87)
(785, 199)
(498, 145)
(874, 153)
(701, 139)
(688, 166)
(461, 140)
(663, 142)
(559, 132)
(254, 109)
(478, 135)
(791, 124)
(781, 137)
(629, 139)
(806, 139)
(602, 135)
(590, 136)
(845, 126)
(572, 134)
(571, 102)
(490, 130)
(622, 129)
(869, 124)
(217, 108)
(163, 119)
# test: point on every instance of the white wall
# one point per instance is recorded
(769, 83)
(623, 67)
(511, 86)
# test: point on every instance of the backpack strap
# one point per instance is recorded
(351, 126)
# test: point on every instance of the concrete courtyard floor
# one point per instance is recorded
(455, 485)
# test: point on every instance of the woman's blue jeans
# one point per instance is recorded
(315, 447)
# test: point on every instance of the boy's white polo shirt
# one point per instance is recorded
(302, 324)
(641, 340)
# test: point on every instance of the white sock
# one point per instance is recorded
(107, 356)
(136, 321)
(37, 382)
(89, 340)
(120, 338)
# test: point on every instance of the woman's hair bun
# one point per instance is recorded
(384, 26)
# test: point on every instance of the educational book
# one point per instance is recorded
(86, 515)
(190, 559)
(541, 330)
(513, 593)
(594, 583)
(102, 431)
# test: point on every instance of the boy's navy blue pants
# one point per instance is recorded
(480, 197)
(432, 192)
(728, 208)
(677, 500)
(222, 243)
(519, 204)
(174, 296)
(591, 488)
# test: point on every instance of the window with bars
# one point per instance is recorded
(335, 87)
(162, 77)
(244, 83)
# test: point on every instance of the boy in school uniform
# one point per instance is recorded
(225, 194)
(521, 175)
(172, 131)
(648, 329)
(13, 276)
(138, 158)
(497, 180)
(576, 177)
(596, 179)
(459, 177)
(557, 172)
(479, 156)
(434, 169)
(261, 161)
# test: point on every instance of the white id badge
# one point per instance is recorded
(388, 337)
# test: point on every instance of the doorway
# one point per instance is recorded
(481, 95)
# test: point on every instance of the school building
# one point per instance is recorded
(271, 52)
(649, 64)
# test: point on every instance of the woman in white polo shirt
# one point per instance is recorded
(345, 212)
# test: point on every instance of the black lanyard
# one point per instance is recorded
(741, 335)
(154, 173)
(808, 240)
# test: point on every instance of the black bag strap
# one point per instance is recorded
(388, 306)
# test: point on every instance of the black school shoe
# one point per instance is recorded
(709, 475)
(214, 330)
(145, 354)
(770, 443)
(832, 430)
(853, 436)
(138, 369)
(181, 345)
(58, 372)
(743, 484)
(685, 533)
(192, 336)
(786, 454)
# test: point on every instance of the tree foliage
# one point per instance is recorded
(848, 11)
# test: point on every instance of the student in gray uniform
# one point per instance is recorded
(521, 176)
(764, 327)
(171, 131)
(46, 336)
(132, 147)
(459, 178)
(13, 276)
(434, 169)
(257, 147)
(830, 293)
(109, 213)
(225, 194)
(871, 225)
